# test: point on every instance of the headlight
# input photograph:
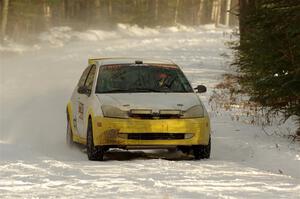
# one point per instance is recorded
(111, 111)
(194, 112)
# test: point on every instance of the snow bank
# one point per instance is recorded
(60, 36)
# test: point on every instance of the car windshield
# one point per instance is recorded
(141, 78)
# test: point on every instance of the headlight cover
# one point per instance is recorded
(113, 112)
(194, 112)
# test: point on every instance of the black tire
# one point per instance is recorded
(202, 151)
(185, 149)
(69, 135)
(172, 150)
(94, 153)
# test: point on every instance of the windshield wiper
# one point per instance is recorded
(115, 91)
(129, 90)
(145, 90)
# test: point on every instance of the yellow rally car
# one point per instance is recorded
(137, 104)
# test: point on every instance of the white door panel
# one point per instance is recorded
(81, 114)
(83, 102)
(74, 110)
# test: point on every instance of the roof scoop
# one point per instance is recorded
(138, 62)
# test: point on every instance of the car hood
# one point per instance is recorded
(154, 101)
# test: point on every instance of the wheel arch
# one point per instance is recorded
(69, 112)
(90, 117)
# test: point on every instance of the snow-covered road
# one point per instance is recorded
(154, 178)
(36, 82)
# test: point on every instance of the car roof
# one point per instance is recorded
(128, 60)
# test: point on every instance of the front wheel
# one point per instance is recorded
(94, 153)
(202, 151)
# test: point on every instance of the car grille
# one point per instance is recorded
(153, 116)
(155, 136)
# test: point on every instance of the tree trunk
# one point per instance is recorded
(218, 12)
(109, 8)
(156, 10)
(214, 11)
(200, 11)
(47, 13)
(227, 17)
(97, 3)
(4, 19)
(176, 12)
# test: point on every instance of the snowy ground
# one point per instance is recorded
(37, 81)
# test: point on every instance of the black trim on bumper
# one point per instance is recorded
(155, 136)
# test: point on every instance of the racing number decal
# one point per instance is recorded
(80, 111)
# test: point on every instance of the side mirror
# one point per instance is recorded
(201, 89)
(83, 90)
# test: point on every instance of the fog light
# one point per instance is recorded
(188, 135)
(170, 112)
(141, 111)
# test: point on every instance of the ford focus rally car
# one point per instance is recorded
(137, 104)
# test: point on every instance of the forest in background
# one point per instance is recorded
(21, 20)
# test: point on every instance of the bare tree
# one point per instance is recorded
(97, 3)
(218, 17)
(109, 8)
(176, 11)
(156, 10)
(227, 17)
(200, 11)
(4, 18)
(213, 11)
(47, 13)
(216, 12)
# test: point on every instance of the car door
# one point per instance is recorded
(75, 98)
(83, 101)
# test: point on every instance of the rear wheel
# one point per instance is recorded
(69, 135)
(94, 153)
(202, 151)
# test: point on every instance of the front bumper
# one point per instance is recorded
(127, 132)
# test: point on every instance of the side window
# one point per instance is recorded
(83, 76)
(90, 78)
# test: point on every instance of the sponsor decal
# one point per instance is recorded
(80, 111)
